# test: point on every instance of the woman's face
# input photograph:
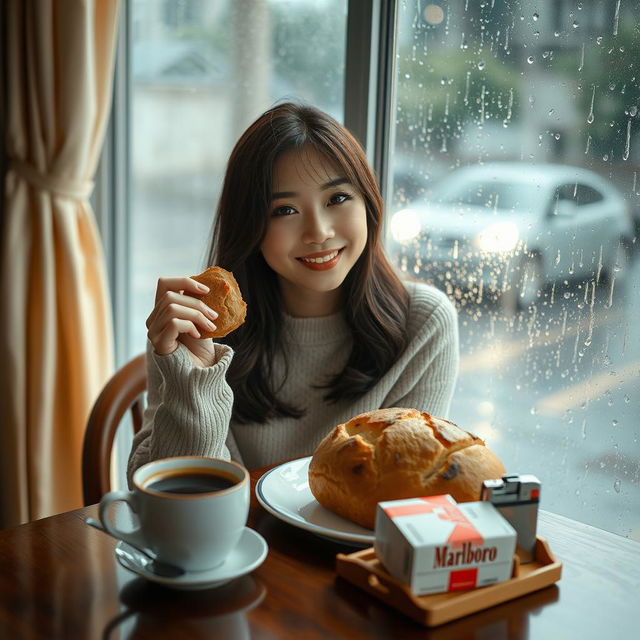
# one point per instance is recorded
(317, 231)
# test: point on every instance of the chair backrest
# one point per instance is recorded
(123, 392)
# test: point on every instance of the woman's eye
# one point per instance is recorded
(285, 210)
(339, 198)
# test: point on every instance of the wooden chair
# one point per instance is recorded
(122, 393)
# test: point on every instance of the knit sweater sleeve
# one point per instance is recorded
(188, 409)
(430, 371)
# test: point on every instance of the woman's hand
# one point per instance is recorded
(177, 317)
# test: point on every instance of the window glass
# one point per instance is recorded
(201, 71)
(511, 117)
(587, 195)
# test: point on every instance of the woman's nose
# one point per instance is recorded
(318, 227)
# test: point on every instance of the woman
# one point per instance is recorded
(330, 332)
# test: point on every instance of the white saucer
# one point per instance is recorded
(247, 556)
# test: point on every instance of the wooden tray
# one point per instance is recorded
(365, 570)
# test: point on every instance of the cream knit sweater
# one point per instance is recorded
(189, 407)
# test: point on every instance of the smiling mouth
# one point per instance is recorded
(322, 260)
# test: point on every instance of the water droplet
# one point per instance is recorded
(575, 24)
(530, 59)
(481, 65)
(633, 110)
(556, 34)
(625, 155)
(616, 18)
(535, 16)
(533, 411)
(627, 399)
(407, 75)
(556, 136)
(590, 117)
(616, 486)
(615, 423)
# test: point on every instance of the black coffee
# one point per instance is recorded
(191, 483)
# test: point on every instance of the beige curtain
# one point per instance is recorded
(55, 327)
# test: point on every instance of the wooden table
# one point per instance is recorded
(59, 579)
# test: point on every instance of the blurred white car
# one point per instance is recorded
(512, 228)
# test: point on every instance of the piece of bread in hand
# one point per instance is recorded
(395, 453)
(224, 298)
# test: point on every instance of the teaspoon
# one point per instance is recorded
(140, 557)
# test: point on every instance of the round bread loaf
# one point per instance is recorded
(395, 453)
(224, 298)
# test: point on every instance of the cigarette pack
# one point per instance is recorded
(435, 545)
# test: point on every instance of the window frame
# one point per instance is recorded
(111, 196)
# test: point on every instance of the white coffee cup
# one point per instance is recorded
(192, 510)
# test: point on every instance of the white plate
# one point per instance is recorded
(284, 492)
(247, 556)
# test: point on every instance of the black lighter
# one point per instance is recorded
(516, 496)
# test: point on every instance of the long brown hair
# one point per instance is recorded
(378, 302)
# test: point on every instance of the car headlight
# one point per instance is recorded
(404, 225)
(500, 237)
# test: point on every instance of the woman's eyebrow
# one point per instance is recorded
(327, 185)
(334, 183)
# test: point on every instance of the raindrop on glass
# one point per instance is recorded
(481, 65)
(616, 486)
(535, 16)
(575, 24)
(633, 110)
(530, 59)
(615, 423)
